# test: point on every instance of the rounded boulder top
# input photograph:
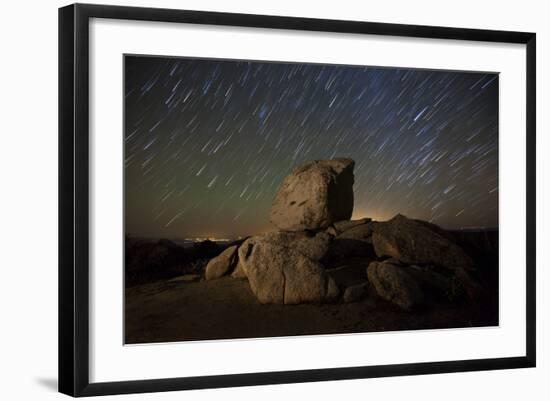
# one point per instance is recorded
(314, 195)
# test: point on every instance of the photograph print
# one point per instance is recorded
(269, 199)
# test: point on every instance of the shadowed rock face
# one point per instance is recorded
(395, 284)
(352, 238)
(315, 195)
(415, 242)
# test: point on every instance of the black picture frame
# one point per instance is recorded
(74, 198)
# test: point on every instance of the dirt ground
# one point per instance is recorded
(188, 308)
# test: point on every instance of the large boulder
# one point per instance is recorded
(314, 246)
(282, 275)
(221, 264)
(416, 242)
(315, 195)
(310, 244)
(395, 284)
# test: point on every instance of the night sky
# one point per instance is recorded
(208, 142)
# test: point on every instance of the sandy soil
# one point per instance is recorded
(181, 309)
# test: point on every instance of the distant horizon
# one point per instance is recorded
(209, 142)
(197, 238)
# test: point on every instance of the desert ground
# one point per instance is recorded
(181, 310)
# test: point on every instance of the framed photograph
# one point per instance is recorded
(249, 199)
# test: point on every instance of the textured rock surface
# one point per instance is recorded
(315, 195)
(221, 264)
(359, 232)
(312, 245)
(279, 274)
(344, 225)
(395, 284)
(411, 242)
(416, 242)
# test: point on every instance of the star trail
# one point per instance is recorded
(208, 142)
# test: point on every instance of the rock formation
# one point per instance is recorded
(314, 195)
(320, 255)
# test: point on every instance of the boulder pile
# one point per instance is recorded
(320, 255)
